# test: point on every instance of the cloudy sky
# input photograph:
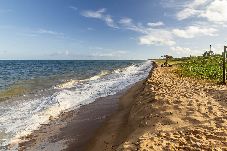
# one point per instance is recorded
(110, 29)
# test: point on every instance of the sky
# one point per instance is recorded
(110, 29)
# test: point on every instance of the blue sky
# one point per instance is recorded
(113, 29)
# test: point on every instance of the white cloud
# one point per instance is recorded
(216, 11)
(100, 14)
(73, 8)
(49, 32)
(180, 50)
(61, 53)
(114, 53)
(94, 14)
(156, 24)
(150, 36)
(183, 51)
(190, 9)
(186, 13)
(109, 21)
(193, 31)
(157, 37)
(90, 28)
(130, 25)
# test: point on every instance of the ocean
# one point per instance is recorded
(32, 92)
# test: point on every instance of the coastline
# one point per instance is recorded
(75, 129)
(169, 112)
(115, 129)
(34, 114)
(163, 112)
(71, 129)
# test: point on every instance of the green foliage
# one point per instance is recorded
(203, 67)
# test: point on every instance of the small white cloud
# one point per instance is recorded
(126, 21)
(191, 9)
(109, 21)
(100, 14)
(90, 28)
(61, 53)
(193, 31)
(150, 36)
(186, 13)
(49, 32)
(156, 24)
(128, 24)
(94, 14)
(113, 54)
(73, 8)
(182, 51)
(157, 38)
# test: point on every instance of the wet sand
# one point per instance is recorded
(73, 130)
(115, 130)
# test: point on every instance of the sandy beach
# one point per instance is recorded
(168, 112)
(67, 114)
(163, 112)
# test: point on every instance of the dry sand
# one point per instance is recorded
(167, 112)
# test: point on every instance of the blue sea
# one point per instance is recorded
(32, 92)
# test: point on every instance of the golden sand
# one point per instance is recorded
(168, 112)
(178, 113)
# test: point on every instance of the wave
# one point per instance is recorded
(71, 83)
(20, 118)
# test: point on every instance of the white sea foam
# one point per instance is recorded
(24, 116)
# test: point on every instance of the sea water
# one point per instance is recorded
(33, 91)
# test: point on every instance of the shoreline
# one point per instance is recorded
(74, 129)
(163, 112)
(169, 113)
(114, 130)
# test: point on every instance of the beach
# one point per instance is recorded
(71, 130)
(163, 112)
(169, 112)
(113, 75)
(75, 130)
(64, 107)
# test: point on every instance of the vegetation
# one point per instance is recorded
(209, 67)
